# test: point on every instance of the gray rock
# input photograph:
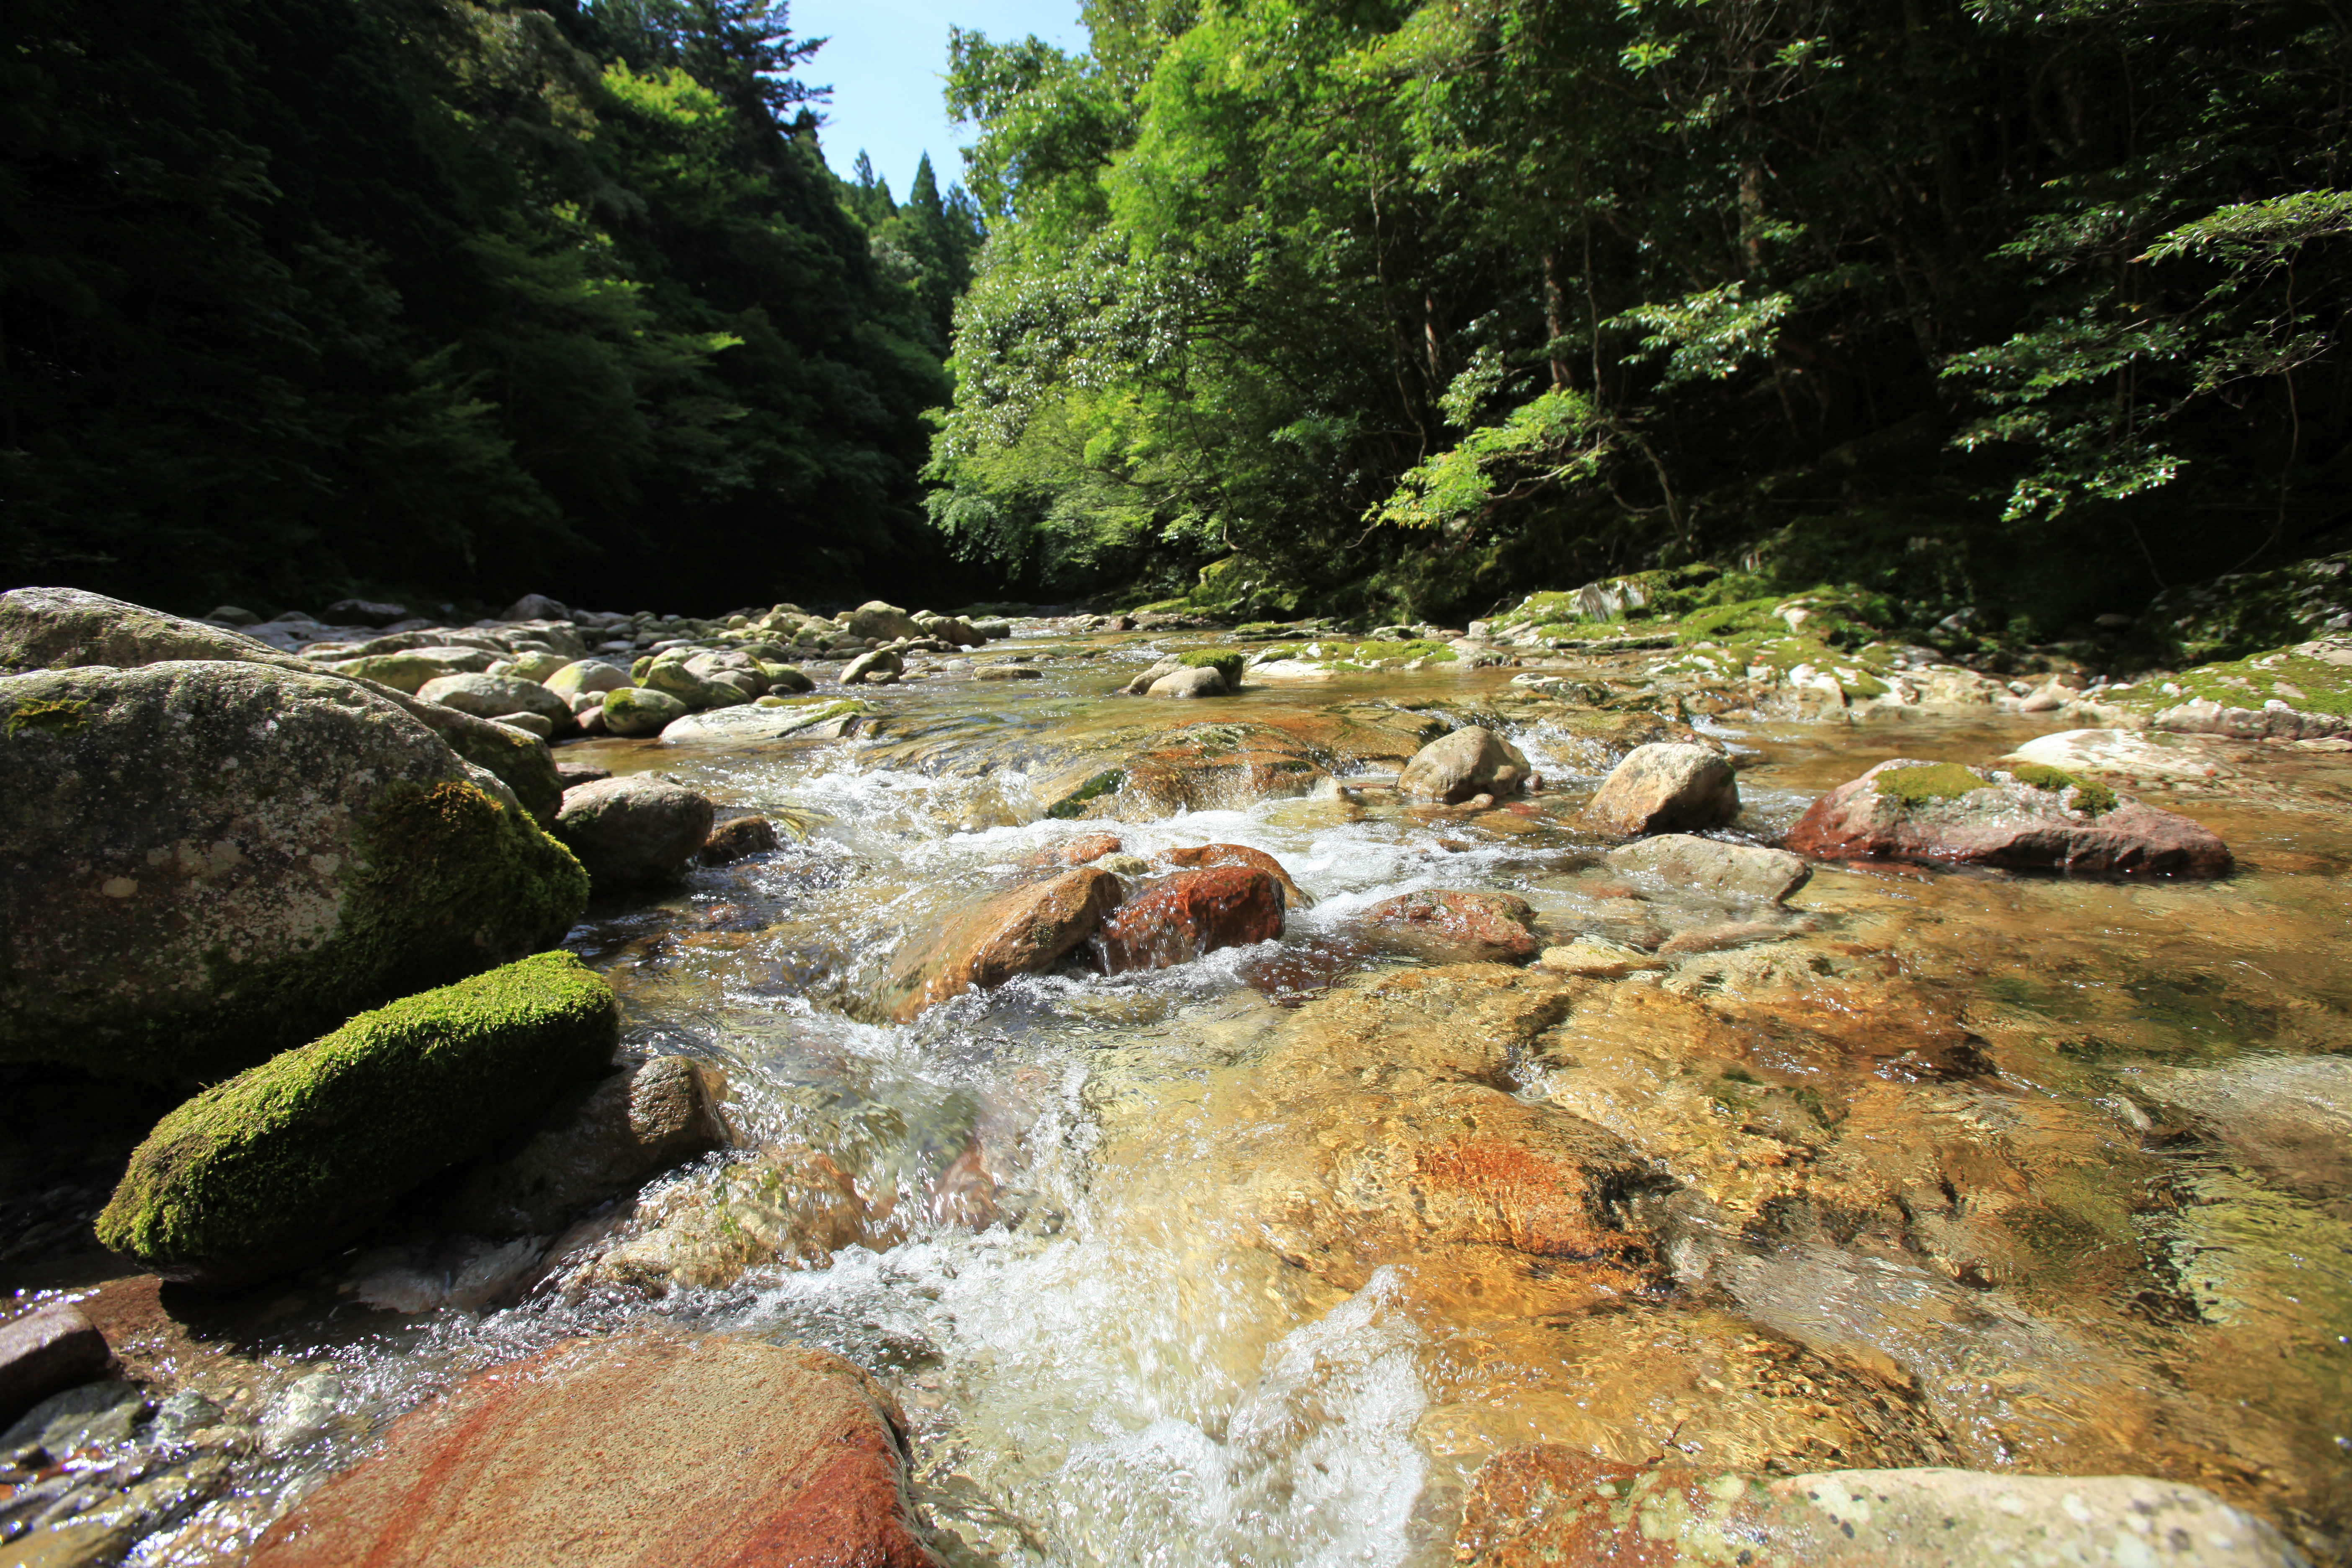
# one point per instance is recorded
(1200, 682)
(48, 1349)
(816, 721)
(866, 666)
(535, 608)
(875, 619)
(94, 1414)
(1471, 760)
(586, 675)
(488, 696)
(598, 1140)
(634, 832)
(1143, 683)
(672, 672)
(537, 664)
(302, 1414)
(1665, 787)
(65, 628)
(409, 669)
(363, 613)
(635, 710)
(531, 723)
(231, 616)
(205, 863)
(1727, 870)
(1008, 672)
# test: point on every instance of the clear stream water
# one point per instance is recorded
(1095, 1375)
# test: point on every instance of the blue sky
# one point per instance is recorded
(883, 60)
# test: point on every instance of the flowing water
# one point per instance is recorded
(1915, 1138)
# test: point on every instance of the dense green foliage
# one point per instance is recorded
(1400, 308)
(300, 296)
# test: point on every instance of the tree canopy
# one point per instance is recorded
(1401, 307)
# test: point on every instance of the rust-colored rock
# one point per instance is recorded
(988, 942)
(642, 1449)
(739, 839)
(1196, 857)
(1087, 846)
(1921, 813)
(1448, 923)
(1182, 917)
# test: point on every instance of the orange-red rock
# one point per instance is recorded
(1087, 846)
(640, 1450)
(988, 942)
(1197, 857)
(1182, 917)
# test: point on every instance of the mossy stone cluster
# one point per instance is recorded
(2090, 795)
(291, 1158)
(1228, 662)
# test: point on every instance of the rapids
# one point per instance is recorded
(1927, 1175)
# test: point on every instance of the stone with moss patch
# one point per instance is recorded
(2300, 692)
(291, 1158)
(2090, 796)
(1930, 780)
(222, 861)
(1225, 661)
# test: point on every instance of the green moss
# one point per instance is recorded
(1225, 661)
(2304, 683)
(2090, 796)
(1938, 780)
(1075, 804)
(62, 716)
(522, 763)
(287, 1158)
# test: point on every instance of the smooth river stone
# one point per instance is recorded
(692, 1453)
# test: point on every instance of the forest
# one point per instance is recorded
(1358, 307)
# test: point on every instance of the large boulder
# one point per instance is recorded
(1551, 1505)
(496, 696)
(2034, 818)
(887, 622)
(1453, 926)
(206, 863)
(989, 940)
(1199, 680)
(738, 1451)
(1178, 919)
(292, 1158)
(596, 1140)
(65, 628)
(1665, 787)
(1710, 866)
(634, 832)
(1472, 761)
(877, 667)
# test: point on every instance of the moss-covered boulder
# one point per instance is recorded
(495, 695)
(636, 710)
(206, 863)
(66, 628)
(291, 1158)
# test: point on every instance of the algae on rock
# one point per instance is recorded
(291, 1158)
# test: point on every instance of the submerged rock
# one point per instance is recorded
(1665, 787)
(290, 1159)
(2288, 1117)
(987, 941)
(1452, 925)
(722, 1450)
(1471, 760)
(597, 1139)
(1710, 866)
(206, 863)
(637, 831)
(2035, 818)
(1179, 918)
(1552, 1505)
(733, 841)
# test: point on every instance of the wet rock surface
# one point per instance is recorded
(1932, 811)
(1178, 918)
(1472, 761)
(737, 1451)
(1300, 1249)
(1449, 925)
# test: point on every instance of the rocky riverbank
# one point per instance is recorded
(958, 1091)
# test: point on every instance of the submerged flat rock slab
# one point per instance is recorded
(1552, 1506)
(689, 1453)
